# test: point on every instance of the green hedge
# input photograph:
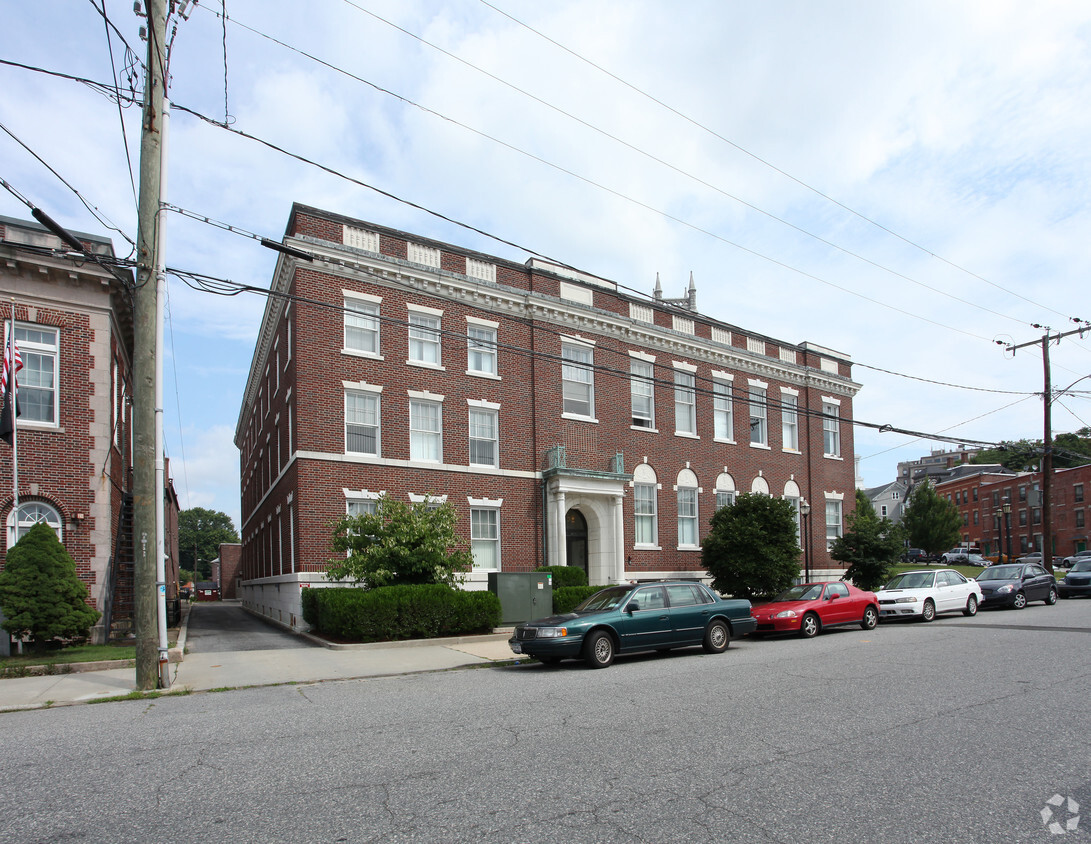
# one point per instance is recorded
(565, 576)
(567, 597)
(400, 612)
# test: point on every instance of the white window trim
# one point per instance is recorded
(729, 379)
(576, 340)
(418, 498)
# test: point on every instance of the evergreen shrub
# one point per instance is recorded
(565, 576)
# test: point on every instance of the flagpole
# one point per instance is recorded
(14, 423)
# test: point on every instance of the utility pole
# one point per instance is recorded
(1047, 435)
(145, 349)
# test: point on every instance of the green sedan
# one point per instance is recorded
(636, 617)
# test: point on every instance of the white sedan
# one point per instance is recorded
(923, 594)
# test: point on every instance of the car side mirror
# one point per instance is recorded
(632, 607)
(833, 597)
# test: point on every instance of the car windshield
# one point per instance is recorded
(1001, 573)
(607, 599)
(802, 592)
(913, 580)
(1081, 565)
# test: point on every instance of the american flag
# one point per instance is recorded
(7, 365)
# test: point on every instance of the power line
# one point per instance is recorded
(764, 161)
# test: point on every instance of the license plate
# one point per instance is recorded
(516, 648)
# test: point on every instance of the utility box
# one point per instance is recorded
(523, 595)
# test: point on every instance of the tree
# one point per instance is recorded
(751, 548)
(40, 593)
(1073, 449)
(870, 546)
(200, 533)
(931, 522)
(399, 543)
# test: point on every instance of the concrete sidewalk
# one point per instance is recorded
(201, 672)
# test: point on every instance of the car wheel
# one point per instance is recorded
(599, 650)
(1020, 601)
(717, 638)
(549, 660)
(928, 612)
(809, 626)
(971, 606)
(870, 619)
(1051, 598)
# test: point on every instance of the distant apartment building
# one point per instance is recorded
(888, 500)
(568, 420)
(996, 509)
(935, 466)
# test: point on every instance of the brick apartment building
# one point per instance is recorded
(566, 419)
(995, 508)
(73, 326)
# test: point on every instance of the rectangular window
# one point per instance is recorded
(642, 389)
(789, 417)
(882, 511)
(724, 499)
(759, 435)
(1079, 518)
(577, 375)
(481, 349)
(424, 339)
(722, 413)
(360, 506)
(483, 435)
(361, 327)
(831, 430)
(833, 522)
(485, 538)
(687, 517)
(425, 431)
(362, 423)
(644, 507)
(685, 403)
(38, 378)
(1077, 492)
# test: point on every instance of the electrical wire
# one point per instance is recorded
(121, 116)
(694, 122)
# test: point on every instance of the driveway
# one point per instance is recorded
(223, 626)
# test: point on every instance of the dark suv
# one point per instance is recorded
(915, 556)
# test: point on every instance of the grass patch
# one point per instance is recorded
(75, 653)
(136, 694)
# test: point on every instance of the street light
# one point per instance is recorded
(805, 515)
(1007, 524)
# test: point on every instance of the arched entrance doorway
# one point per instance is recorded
(575, 539)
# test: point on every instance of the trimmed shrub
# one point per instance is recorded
(565, 576)
(403, 612)
(310, 606)
(566, 598)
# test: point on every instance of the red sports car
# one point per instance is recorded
(807, 608)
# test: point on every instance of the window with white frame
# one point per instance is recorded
(793, 496)
(361, 326)
(685, 403)
(485, 537)
(578, 379)
(789, 421)
(481, 349)
(361, 506)
(484, 449)
(831, 429)
(725, 490)
(38, 347)
(32, 513)
(424, 345)
(687, 515)
(833, 521)
(646, 522)
(362, 422)
(723, 415)
(425, 430)
(759, 432)
(642, 389)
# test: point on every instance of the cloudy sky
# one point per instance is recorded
(906, 183)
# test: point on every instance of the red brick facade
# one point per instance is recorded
(980, 500)
(75, 318)
(299, 472)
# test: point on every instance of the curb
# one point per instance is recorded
(498, 634)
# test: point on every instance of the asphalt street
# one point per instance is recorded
(959, 730)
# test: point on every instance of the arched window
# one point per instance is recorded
(645, 484)
(30, 514)
(688, 535)
(792, 496)
(759, 486)
(725, 490)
